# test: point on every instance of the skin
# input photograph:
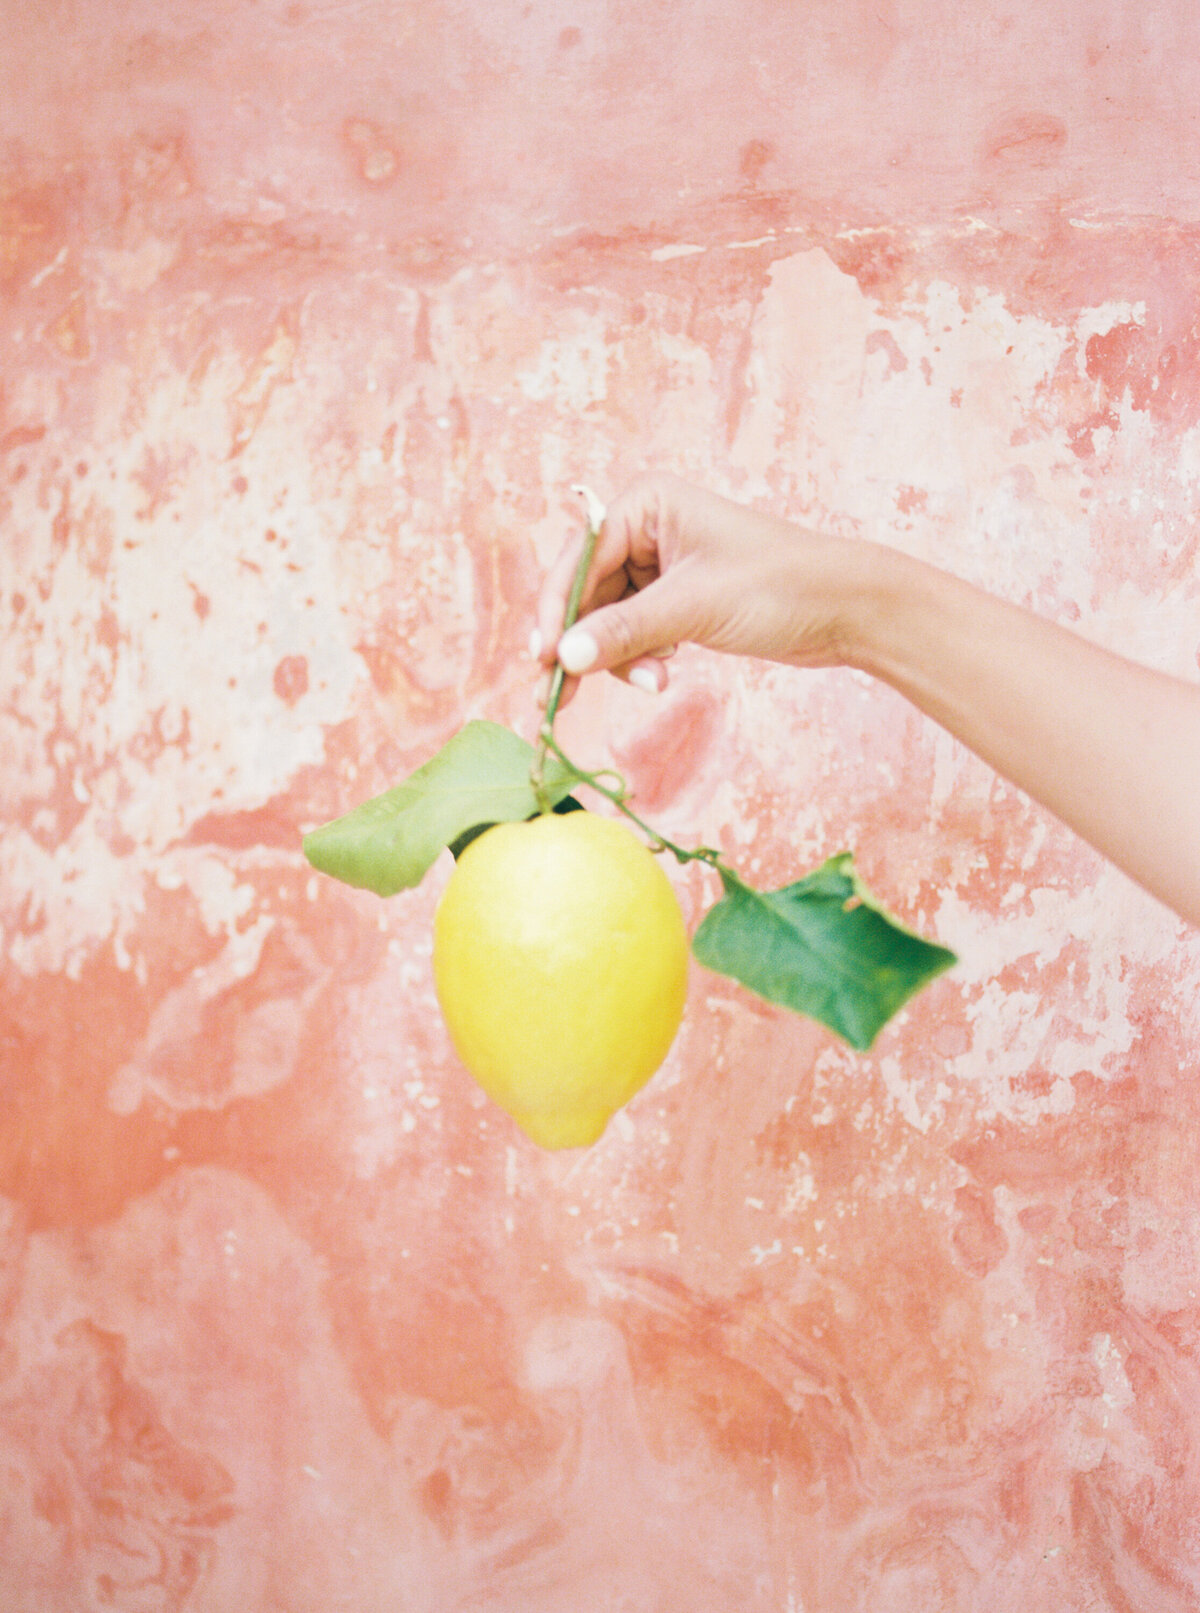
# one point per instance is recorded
(1110, 747)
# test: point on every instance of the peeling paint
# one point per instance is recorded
(309, 327)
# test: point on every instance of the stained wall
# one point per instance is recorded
(310, 314)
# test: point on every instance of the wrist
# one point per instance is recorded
(888, 596)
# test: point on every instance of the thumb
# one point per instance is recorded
(613, 635)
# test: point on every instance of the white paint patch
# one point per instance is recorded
(1098, 321)
(683, 249)
(571, 368)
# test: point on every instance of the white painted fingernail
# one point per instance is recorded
(535, 644)
(642, 678)
(577, 651)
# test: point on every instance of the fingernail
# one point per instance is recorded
(642, 678)
(535, 644)
(577, 651)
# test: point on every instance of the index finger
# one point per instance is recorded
(552, 601)
(607, 579)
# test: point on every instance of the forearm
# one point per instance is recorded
(1110, 747)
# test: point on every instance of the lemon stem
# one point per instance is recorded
(619, 796)
(595, 519)
(617, 793)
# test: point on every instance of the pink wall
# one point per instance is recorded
(310, 312)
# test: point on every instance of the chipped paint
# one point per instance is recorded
(309, 328)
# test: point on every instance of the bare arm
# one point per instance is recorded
(1111, 747)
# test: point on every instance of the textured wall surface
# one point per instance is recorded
(310, 313)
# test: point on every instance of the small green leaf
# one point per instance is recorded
(478, 778)
(822, 947)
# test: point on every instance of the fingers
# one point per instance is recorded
(607, 579)
(617, 631)
(566, 695)
(626, 558)
(648, 674)
(552, 602)
(543, 641)
(631, 632)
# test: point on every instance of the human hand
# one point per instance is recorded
(1111, 748)
(675, 563)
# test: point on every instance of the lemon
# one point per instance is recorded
(560, 961)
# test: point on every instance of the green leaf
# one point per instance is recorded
(822, 947)
(478, 778)
(458, 846)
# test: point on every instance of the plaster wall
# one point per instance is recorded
(310, 313)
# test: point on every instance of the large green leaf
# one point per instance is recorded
(479, 777)
(822, 947)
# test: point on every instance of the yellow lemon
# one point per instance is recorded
(560, 960)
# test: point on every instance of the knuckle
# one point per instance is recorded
(642, 509)
(619, 639)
